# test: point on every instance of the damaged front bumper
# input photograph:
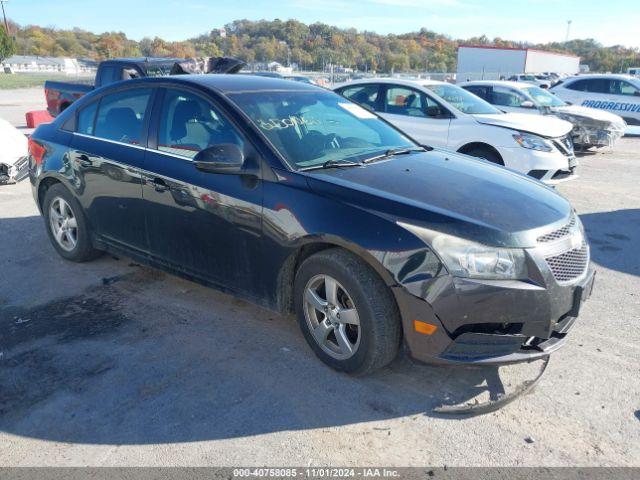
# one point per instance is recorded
(585, 136)
(484, 323)
(13, 173)
(592, 132)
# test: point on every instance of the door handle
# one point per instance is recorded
(160, 185)
(84, 160)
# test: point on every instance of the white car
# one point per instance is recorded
(619, 94)
(13, 154)
(591, 127)
(443, 115)
(531, 78)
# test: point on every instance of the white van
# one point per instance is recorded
(443, 115)
(619, 94)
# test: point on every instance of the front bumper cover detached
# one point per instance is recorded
(14, 173)
(505, 324)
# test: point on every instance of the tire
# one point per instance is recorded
(59, 199)
(486, 154)
(358, 287)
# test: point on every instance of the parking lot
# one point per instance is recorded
(113, 363)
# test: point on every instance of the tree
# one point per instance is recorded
(7, 45)
(312, 46)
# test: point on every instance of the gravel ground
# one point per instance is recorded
(111, 363)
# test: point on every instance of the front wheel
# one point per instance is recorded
(67, 226)
(347, 314)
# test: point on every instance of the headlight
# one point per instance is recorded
(532, 142)
(464, 258)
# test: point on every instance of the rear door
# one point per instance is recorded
(417, 114)
(205, 224)
(107, 152)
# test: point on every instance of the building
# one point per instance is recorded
(35, 64)
(491, 63)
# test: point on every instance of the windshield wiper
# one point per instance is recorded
(393, 152)
(332, 164)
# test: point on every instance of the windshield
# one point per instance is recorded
(463, 100)
(311, 128)
(543, 98)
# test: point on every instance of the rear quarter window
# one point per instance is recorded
(86, 119)
(121, 114)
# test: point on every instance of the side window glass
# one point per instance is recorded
(579, 85)
(120, 115)
(620, 87)
(365, 95)
(86, 119)
(406, 101)
(109, 74)
(506, 97)
(598, 85)
(189, 124)
(481, 92)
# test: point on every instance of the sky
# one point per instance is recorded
(610, 22)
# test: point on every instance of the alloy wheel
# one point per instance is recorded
(64, 225)
(332, 317)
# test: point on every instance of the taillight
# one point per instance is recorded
(36, 150)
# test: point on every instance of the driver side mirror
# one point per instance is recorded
(434, 111)
(527, 104)
(225, 158)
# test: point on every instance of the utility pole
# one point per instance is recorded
(6, 25)
(566, 39)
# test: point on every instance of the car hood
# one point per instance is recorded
(450, 193)
(14, 143)
(536, 124)
(590, 115)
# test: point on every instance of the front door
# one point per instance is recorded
(205, 224)
(107, 151)
(417, 114)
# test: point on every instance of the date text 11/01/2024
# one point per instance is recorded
(316, 472)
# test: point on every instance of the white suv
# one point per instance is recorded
(443, 115)
(619, 94)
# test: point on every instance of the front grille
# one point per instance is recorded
(558, 234)
(569, 265)
(564, 144)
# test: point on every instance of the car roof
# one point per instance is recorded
(504, 83)
(229, 83)
(612, 76)
(145, 60)
(397, 81)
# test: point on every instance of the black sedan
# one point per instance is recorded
(297, 199)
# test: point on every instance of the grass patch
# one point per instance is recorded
(27, 80)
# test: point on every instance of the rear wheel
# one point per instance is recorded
(66, 225)
(347, 314)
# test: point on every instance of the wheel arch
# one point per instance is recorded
(309, 247)
(469, 147)
(44, 185)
